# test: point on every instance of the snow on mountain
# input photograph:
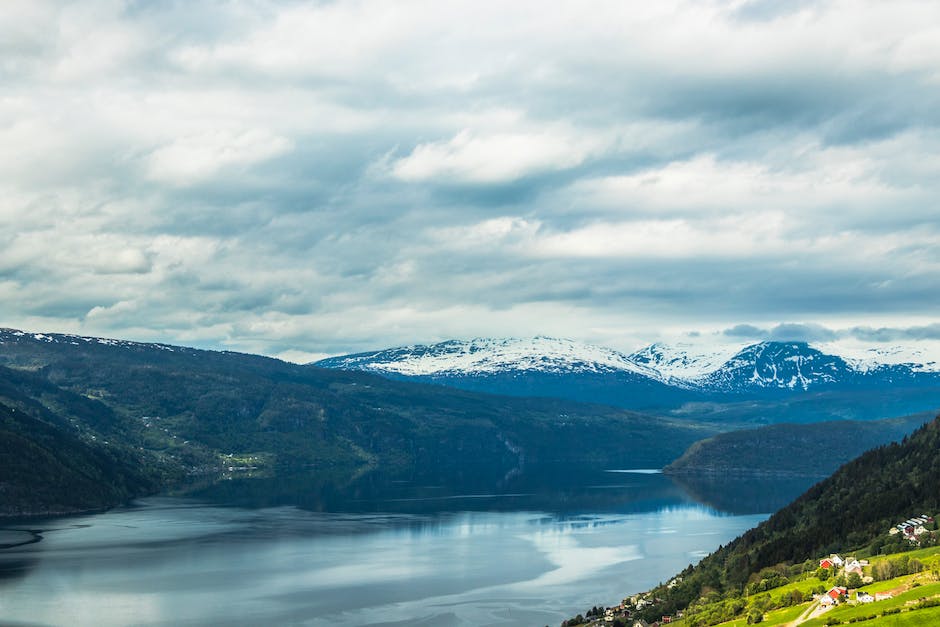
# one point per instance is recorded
(489, 356)
(796, 366)
(781, 365)
(923, 358)
(13, 335)
(684, 361)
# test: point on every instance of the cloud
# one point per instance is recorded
(314, 178)
(496, 158)
(197, 157)
(746, 332)
(809, 332)
(791, 332)
(887, 334)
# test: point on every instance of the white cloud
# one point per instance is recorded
(195, 158)
(445, 169)
(493, 158)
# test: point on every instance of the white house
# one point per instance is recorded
(826, 601)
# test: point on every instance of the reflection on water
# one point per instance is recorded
(743, 495)
(552, 489)
(531, 550)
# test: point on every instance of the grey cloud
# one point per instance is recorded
(791, 332)
(888, 334)
(808, 332)
(316, 246)
(746, 331)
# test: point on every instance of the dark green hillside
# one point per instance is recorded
(797, 450)
(191, 409)
(51, 465)
(850, 510)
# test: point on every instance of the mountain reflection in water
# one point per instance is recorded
(550, 489)
(532, 548)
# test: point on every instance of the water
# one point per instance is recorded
(532, 550)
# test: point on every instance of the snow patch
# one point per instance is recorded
(925, 357)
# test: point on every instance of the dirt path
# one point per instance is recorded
(811, 612)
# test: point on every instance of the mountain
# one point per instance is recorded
(760, 383)
(791, 450)
(490, 356)
(853, 509)
(540, 366)
(51, 462)
(195, 411)
(789, 366)
(683, 362)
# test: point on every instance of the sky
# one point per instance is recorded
(302, 179)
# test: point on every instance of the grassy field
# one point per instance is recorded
(908, 589)
(847, 612)
(918, 618)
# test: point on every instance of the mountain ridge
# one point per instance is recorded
(660, 378)
(678, 365)
(192, 409)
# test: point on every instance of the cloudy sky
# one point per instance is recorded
(307, 178)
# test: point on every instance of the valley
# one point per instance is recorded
(87, 424)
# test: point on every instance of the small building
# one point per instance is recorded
(838, 561)
(864, 597)
(825, 563)
(883, 596)
(854, 566)
(837, 593)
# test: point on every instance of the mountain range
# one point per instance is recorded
(103, 420)
(137, 417)
(661, 377)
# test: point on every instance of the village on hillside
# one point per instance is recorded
(838, 581)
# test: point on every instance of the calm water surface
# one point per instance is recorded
(533, 551)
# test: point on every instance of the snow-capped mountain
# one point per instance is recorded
(866, 358)
(684, 361)
(778, 365)
(492, 356)
(658, 376)
(14, 335)
(799, 366)
(538, 366)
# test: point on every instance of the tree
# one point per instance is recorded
(822, 574)
(755, 616)
(854, 580)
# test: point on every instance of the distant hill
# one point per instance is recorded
(192, 411)
(761, 383)
(795, 450)
(852, 509)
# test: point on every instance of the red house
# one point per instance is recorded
(825, 563)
